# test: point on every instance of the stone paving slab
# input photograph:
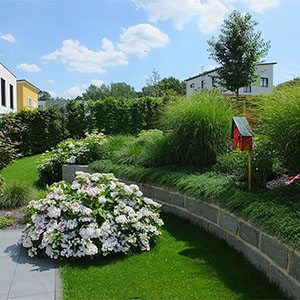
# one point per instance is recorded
(22, 277)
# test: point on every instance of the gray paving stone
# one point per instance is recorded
(257, 260)
(7, 270)
(209, 212)
(249, 234)
(162, 195)
(44, 296)
(176, 199)
(294, 270)
(217, 231)
(275, 250)
(235, 243)
(228, 222)
(193, 206)
(286, 284)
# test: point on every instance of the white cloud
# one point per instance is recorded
(7, 37)
(140, 39)
(84, 60)
(209, 13)
(77, 90)
(51, 81)
(53, 94)
(28, 68)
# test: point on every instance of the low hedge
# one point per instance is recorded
(275, 212)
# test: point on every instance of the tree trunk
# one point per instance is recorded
(237, 94)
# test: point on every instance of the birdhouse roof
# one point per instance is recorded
(242, 125)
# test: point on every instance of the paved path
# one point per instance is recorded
(22, 277)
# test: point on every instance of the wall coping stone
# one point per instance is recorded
(279, 262)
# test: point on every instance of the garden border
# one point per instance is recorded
(279, 262)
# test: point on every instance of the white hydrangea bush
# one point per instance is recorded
(96, 214)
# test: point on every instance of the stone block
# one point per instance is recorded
(148, 191)
(256, 259)
(199, 222)
(275, 250)
(193, 206)
(209, 212)
(162, 195)
(176, 199)
(294, 269)
(249, 234)
(235, 243)
(216, 231)
(228, 222)
(290, 287)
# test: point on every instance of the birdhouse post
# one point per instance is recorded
(242, 135)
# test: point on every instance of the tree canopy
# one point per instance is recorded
(238, 50)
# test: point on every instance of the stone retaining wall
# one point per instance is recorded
(280, 263)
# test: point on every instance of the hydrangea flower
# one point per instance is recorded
(95, 215)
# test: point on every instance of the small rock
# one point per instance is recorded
(9, 215)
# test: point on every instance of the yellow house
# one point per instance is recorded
(27, 95)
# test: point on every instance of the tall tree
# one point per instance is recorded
(238, 50)
(122, 90)
(44, 96)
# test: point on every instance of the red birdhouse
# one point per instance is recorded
(242, 134)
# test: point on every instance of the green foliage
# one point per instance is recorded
(79, 119)
(265, 165)
(238, 49)
(200, 127)
(285, 86)
(276, 212)
(280, 122)
(8, 147)
(95, 93)
(44, 96)
(4, 222)
(14, 194)
(70, 151)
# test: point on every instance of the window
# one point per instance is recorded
(264, 82)
(11, 92)
(3, 94)
(247, 89)
(202, 84)
(29, 102)
(192, 85)
(34, 103)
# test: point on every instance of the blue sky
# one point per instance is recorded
(62, 46)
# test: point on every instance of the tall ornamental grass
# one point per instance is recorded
(280, 122)
(201, 127)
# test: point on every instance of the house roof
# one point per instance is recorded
(24, 80)
(242, 125)
(213, 70)
(7, 69)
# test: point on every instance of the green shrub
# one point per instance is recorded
(280, 122)
(4, 222)
(70, 151)
(265, 165)
(200, 126)
(14, 194)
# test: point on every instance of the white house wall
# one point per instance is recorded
(9, 79)
(265, 70)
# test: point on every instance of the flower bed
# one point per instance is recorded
(70, 151)
(96, 214)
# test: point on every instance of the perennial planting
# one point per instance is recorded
(96, 214)
(70, 151)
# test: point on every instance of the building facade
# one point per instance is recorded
(206, 81)
(8, 91)
(27, 95)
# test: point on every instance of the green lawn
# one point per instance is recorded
(187, 263)
(23, 170)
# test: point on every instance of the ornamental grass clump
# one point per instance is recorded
(200, 127)
(95, 215)
(70, 151)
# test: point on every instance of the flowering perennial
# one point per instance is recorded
(96, 214)
(70, 151)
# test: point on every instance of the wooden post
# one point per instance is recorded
(249, 170)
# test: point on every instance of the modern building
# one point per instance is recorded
(27, 95)
(206, 81)
(8, 91)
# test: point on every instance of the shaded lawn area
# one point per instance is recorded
(187, 263)
(23, 170)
